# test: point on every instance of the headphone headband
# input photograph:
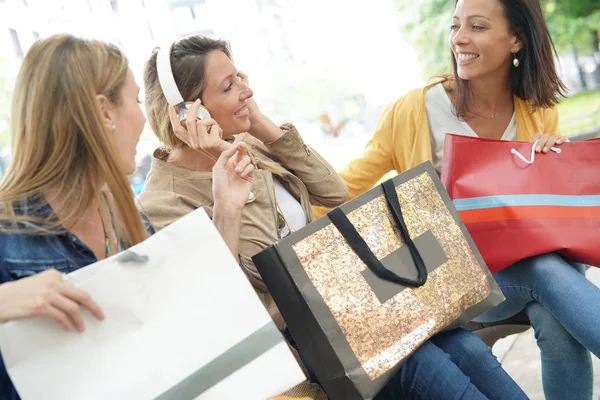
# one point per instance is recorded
(166, 78)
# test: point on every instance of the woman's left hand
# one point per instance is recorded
(261, 127)
(255, 114)
(546, 141)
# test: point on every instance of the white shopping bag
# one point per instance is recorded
(182, 322)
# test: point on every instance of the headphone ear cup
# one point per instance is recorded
(202, 112)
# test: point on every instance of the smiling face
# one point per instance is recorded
(480, 40)
(225, 94)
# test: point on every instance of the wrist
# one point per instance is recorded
(226, 209)
(264, 129)
(257, 126)
(216, 151)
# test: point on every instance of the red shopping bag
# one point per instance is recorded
(517, 206)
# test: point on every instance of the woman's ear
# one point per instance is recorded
(517, 44)
(107, 110)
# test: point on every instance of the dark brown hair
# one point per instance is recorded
(535, 80)
(188, 62)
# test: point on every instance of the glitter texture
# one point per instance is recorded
(382, 335)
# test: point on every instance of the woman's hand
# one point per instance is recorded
(255, 114)
(46, 295)
(203, 135)
(546, 141)
(232, 181)
(233, 175)
(261, 127)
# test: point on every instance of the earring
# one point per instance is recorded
(515, 60)
(113, 128)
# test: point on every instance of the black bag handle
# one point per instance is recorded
(360, 247)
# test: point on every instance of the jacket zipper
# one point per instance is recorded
(271, 187)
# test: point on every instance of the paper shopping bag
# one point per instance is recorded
(182, 322)
(364, 286)
(517, 204)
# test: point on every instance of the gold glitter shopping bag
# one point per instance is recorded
(364, 286)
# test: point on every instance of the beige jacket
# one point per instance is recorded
(171, 192)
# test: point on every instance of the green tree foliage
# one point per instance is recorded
(427, 24)
(573, 23)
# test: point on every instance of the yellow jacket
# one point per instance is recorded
(401, 140)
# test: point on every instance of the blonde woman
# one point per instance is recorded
(65, 201)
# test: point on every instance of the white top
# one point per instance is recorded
(442, 119)
(290, 208)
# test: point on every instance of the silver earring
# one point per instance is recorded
(113, 128)
(515, 60)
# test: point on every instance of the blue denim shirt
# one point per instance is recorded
(24, 255)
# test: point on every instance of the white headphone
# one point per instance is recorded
(169, 87)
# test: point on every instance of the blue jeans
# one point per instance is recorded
(452, 365)
(564, 308)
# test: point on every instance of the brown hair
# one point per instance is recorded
(60, 144)
(536, 79)
(188, 61)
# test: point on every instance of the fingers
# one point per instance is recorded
(243, 77)
(195, 133)
(239, 138)
(84, 299)
(70, 309)
(190, 120)
(175, 124)
(210, 126)
(69, 300)
(539, 138)
(242, 161)
(180, 128)
(546, 141)
(248, 172)
(59, 317)
(241, 152)
(549, 142)
(562, 139)
(225, 156)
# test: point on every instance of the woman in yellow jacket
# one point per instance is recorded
(505, 86)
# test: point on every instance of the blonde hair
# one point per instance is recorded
(60, 143)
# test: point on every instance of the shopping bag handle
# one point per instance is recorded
(361, 248)
(532, 157)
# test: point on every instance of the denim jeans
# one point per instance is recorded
(451, 365)
(564, 308)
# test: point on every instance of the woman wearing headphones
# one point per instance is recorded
(290, 177)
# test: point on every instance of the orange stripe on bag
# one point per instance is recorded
(528, 212)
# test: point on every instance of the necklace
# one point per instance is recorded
(492, 115)
(106, 242)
